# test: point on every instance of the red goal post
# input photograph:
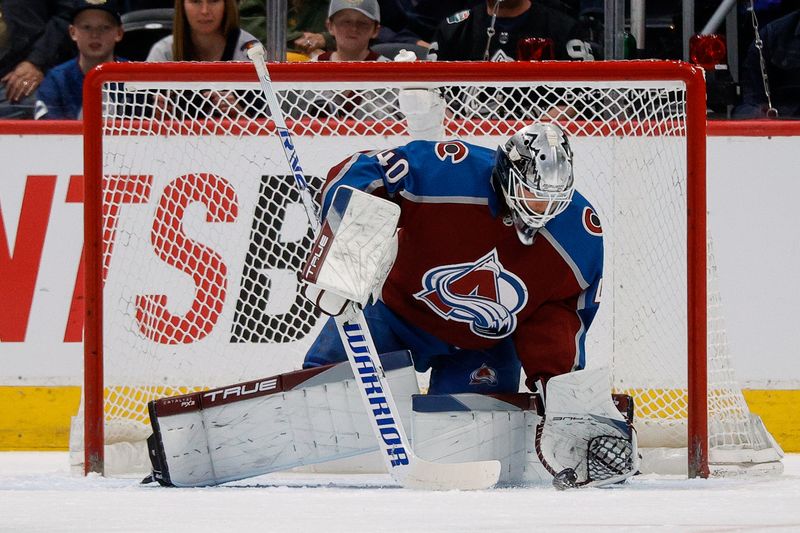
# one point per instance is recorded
(676, 114)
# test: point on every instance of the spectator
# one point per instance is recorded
(306, 31)
(353, 24)
(203, 30)
(465, 35)
(96, 28)
(781, 49)
(36, 40)
(493, 31)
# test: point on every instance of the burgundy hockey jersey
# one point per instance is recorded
(461, 272)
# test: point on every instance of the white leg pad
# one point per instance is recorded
(473, 427)
(269, 425)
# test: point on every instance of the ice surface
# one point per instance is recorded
(38, 493)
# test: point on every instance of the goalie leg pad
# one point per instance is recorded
(268, 425)
(452, 428)
(508, 427)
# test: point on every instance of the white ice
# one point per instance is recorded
(38, 493)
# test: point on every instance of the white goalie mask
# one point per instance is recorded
(534, 172)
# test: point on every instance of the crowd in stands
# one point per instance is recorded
(47, 46)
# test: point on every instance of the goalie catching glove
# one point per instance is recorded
(353, 253)
(583, 439)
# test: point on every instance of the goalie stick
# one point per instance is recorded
(402, 464)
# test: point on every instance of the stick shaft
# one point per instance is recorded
(257, 56)
(351, 325)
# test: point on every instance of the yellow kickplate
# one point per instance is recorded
(37, 418)
(780, 413)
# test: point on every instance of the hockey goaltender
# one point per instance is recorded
(496, 267)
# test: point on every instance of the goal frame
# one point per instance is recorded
(691, 75)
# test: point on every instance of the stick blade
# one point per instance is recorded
(425, 475)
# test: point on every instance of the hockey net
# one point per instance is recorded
(195, 232)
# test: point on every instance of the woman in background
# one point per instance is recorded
(203, 30)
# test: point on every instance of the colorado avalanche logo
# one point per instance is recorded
(456, 151)
(485, 375)
(483, 294)
(591, 222)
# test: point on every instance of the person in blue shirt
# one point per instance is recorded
(96, 29)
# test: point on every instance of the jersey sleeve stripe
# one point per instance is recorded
(426, 199)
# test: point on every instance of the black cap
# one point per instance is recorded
(109, 6)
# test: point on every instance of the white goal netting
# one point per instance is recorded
(202, 232)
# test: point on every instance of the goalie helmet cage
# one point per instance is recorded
(194, 232)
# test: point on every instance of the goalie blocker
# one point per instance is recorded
(315, 416)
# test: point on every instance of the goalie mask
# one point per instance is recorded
(534, 172)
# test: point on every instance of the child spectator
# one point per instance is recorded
(353, 23)
(96, 28)
(306, 33)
